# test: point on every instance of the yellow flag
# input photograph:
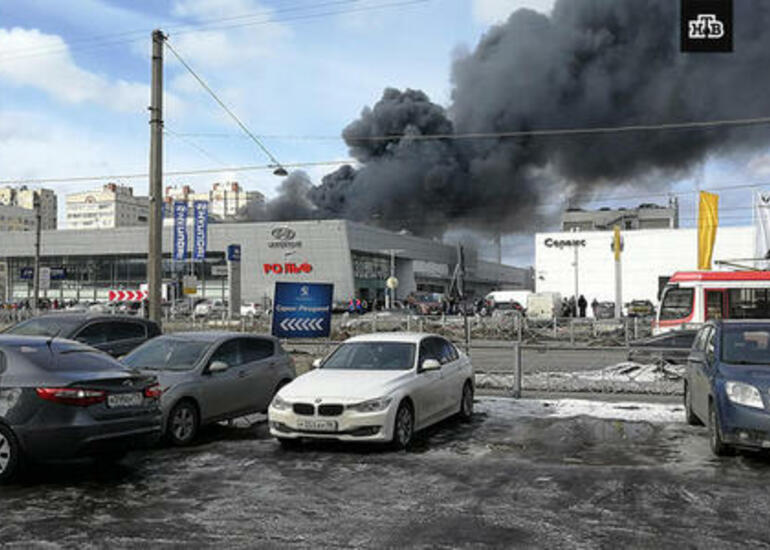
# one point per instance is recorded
(708, 219)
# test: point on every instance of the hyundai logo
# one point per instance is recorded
(283, 233)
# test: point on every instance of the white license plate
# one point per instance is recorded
(117, 400)
(317, 425)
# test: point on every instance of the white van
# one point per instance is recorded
(543, 306)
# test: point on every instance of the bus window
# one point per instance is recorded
(749, 303)
(715, 304)
(677, 303)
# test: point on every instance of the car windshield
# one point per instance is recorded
(372, 356)
(746, 345)
(172, 354)
(43, 326)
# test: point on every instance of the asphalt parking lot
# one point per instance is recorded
(523, 473)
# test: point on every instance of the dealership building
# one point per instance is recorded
(356, 258)
(584, 260)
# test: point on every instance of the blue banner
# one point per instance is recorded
(302, 310)
(200, 229)
(180, 230)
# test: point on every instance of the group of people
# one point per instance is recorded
(572, 308)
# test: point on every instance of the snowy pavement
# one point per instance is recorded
(534, 473)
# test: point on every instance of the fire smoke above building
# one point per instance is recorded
(590, 64)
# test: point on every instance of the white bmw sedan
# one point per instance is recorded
(377, 387)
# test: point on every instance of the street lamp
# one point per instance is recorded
(392, 282)
(280, 171)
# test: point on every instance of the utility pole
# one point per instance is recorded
(36, 273)
(617, 248)
(155, 248)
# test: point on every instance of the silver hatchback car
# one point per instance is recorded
(211, 376)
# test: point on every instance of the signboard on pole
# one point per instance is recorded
(180, 230)
(189, 284)
(234, 253)
(302, 310)
(200, 229)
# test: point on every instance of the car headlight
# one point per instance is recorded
(744, 394)
(280, 404)
(372, 405)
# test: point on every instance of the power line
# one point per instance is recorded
(279, 168)
(512, 133)
(194, 145)
(109, 40)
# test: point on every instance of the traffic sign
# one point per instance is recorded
(127, 295)
(302, 310)
(45, 278)
(189, 284)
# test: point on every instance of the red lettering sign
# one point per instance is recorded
(287, 268)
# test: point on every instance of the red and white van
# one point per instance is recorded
(693, 297)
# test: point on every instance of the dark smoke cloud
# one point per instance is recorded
(292, 202)
(592, 63)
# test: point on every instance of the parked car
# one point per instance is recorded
(640, 308)
(605, 310)
(426, 303)
(378, 387)
(727, 383)
(252, 309)
(62, 399)
(114, 334)
(210, 308)
(211, 376)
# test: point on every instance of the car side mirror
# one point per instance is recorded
(218, 366)
(430, 364)
(317, 363)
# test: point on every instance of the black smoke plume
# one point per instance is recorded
(591, 63)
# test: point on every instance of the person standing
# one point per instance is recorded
(582, 305)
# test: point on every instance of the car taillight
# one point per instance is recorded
(153, 392)
(72, 396)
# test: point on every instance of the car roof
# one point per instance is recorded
(409, 337)
(214, 335)
(732, 322)
(87, 316)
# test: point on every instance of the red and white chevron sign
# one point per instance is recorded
(302, 324)
(127, 295)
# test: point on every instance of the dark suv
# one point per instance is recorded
(114, 334)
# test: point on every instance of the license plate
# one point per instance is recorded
(317, 425)
(117, 400)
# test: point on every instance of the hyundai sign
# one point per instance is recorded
(180, 230)
(200, 229)
(302, 310)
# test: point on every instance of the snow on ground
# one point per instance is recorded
(510, 409)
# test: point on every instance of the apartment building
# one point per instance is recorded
(112, 206)
(227, 201)
(24, 197)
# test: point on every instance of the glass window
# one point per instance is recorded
(372, 356)
(43, 326)
(94, 334)
(746, 345)
(229, 353)
(126, 331)
(166, 353)
(749, 303)
(430, 348)
(714, 304)
(677, 303)
(256, 349)
(447, 352)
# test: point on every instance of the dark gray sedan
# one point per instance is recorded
(211, 376)
(61, 399)
(114, 334)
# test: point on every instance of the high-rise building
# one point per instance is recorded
(24, 197)
(16, 218)
(112, 206)
(227, 201)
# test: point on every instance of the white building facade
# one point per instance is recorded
(649, 257)
(24, 197)
(16, 218)
(112, 206)
(227, 201)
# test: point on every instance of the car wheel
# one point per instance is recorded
(288, 444)
(403, 426)
(182, 423)
(718, 447)
(10, 454)
(466, 403)
(692, 420)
